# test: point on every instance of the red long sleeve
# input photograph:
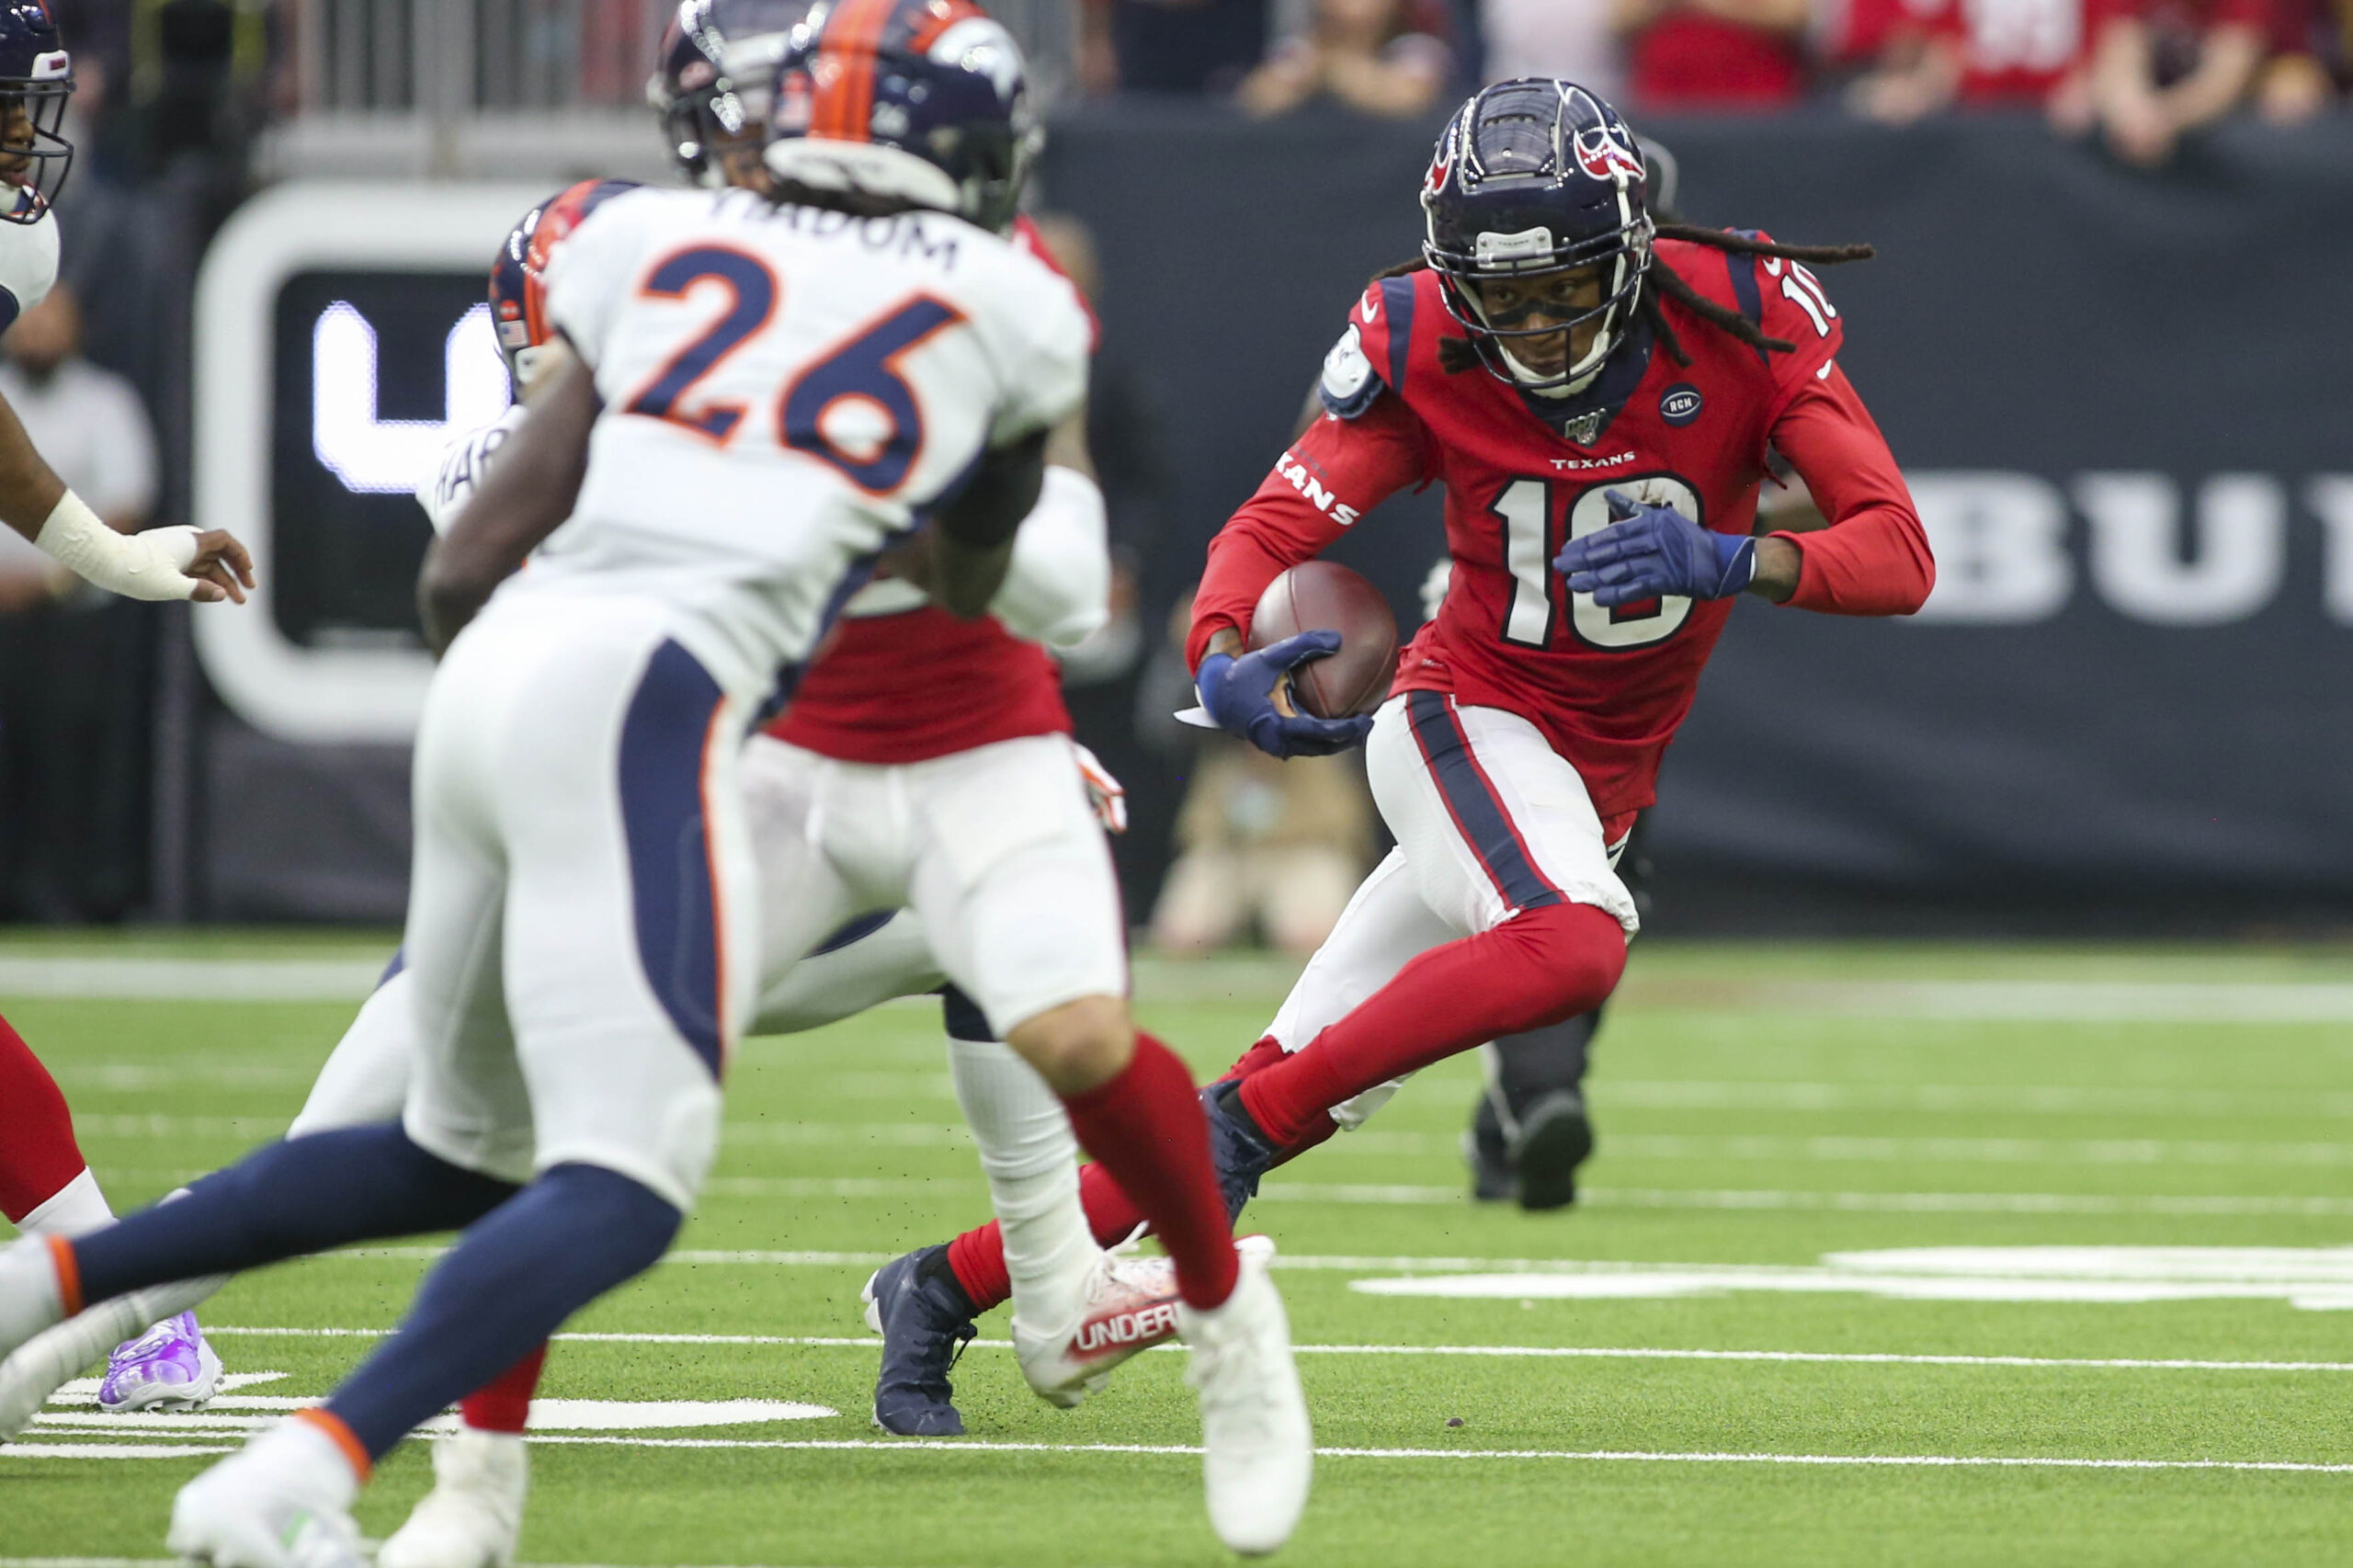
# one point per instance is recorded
(1337, 470)
(1873, 559)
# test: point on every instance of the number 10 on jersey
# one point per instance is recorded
(1527, 508)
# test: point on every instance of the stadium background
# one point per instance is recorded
(2120, 393)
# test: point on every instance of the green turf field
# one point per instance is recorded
(1753, 1343)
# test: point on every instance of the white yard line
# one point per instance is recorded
(83, 977)
(968, 1445)
(177, 1563)
(110, 1451)
(2005, 1099)
(2321, 1154)
(1540, 1352)
(349, 977)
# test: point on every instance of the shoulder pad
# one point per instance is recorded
(28, 265)
(1349, 383)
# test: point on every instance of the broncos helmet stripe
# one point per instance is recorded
(1535, 176)
(36, 78)
(924, 102)
(518, 274)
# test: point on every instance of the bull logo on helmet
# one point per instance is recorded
(1602, 155)
(1442, 162)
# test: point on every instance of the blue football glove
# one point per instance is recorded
(1649, 552)
(1240, 695)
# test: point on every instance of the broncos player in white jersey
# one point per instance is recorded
(579, 929)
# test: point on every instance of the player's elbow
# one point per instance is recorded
(1920, 580)
(448, 593)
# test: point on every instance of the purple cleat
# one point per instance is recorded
(168, 1367)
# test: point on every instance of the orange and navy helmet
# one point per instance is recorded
(517, 275)
(921, 101)
(711, 82)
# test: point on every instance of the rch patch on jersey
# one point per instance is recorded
(1679, 405)
(1349, 383)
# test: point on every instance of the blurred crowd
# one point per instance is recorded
(2138, 72)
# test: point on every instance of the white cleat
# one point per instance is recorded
(282, 1501)
(51, 1359)
(32, 1299)
(1130, 1306)
(473, 1515)
(1257, 1451)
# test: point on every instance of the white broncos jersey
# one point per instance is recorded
(785, 390)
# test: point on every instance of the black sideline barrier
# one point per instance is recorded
(2124, 400)
(2122, 397)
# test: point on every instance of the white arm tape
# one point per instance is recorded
(151, 565)
(1057, 588)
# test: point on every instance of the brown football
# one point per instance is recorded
(1318, 595)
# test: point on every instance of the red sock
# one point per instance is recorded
(977, 1257)
(37, 1154)
(1144, 1128)
(1539, 967)
(504, 1404)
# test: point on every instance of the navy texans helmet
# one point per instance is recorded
(35, 75)
(518, 274)
(1534, 177)
(920, 101)
(717, 66)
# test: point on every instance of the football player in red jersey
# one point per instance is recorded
(1598, 394)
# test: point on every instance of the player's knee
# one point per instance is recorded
(1078, 1046)
(633, 1223)
(1576, 954)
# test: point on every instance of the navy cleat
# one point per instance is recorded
(1240, 1150)
(1555, 1138)
(1535, 1161)
(926, 1320)
(1488, 1154)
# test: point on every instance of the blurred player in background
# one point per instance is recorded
(46, 1188)
(1590, 388)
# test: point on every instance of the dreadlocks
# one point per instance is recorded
(1664, 279)
(1457, 355)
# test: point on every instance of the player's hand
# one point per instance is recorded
(1104, 792)
(221, 567)
(1650, 553)
(1239, 693)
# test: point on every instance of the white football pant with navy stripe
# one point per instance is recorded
(1489, 820)
(581, 940)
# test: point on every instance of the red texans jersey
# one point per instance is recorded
(902, 680)
(1607, 687)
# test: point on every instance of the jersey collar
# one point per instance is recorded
(1581, 420)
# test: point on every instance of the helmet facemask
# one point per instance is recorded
(35, 156)
(1531, 256)
(714, 89)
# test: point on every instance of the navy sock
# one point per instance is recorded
(573, 1234)
(302, 1196)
